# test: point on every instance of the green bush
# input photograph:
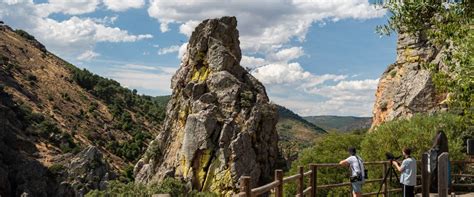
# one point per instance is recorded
(331, 148)
(24, 34)
(416, 133)
(46, 127)
(31, 77)
(171, 186)
(56, 168)
(65, 96)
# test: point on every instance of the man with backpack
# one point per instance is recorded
(358, 175)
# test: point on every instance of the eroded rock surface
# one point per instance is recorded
(406, 87)
(219, 123)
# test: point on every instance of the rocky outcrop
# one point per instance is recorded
(219, 123)
(87, 171)
(406, 87)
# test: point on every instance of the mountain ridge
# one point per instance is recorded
(340, 123)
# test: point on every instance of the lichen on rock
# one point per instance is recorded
(219, 124)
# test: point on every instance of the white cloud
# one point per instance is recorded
(71, 7)
(170, 49)
(107, 20)
(122, 5)
(88, 55)
(286, 55)
(188, 27)
(349, 97)
(182, 50)
(252, 62)
(263, 24)
(144, 77)
(71, 37)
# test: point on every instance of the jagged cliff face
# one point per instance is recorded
(219, 123)
(406, 87)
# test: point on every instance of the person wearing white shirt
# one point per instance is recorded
(357, 171)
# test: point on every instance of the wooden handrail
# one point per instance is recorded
(264, 188)
(291, 178)
(313, 188)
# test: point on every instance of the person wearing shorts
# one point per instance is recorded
(357, 170)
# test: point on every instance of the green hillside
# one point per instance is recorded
(341, 123)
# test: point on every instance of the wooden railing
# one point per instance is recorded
(276, 187)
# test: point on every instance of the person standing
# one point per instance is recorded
(357, 171)
(408, 173)
(440, 145)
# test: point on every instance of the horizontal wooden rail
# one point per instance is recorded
(307, 190)
(463, 175)
(291, 178)
(463, 185)
(265, 188)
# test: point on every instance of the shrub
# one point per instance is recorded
(246, 99)
(330, 148)
(24, 34)
(31, 77)
(65, 96)
(46, 127)
(174, 187)
(127, 174)
(416, 133)
(393, 73)
(92, 107)
(56, 168)
(50, 98)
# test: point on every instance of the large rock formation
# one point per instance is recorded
(219, 123)
(406, 87)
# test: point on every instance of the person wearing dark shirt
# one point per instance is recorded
(440, 145)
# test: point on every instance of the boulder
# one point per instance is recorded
(219, 124)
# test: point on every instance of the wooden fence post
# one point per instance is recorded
(425, 176)
(443, 175)
(245, 186)
(385, 187)
(301, 181)
(314, 180)
(279, 178)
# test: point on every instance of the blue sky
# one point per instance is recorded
(319, 57)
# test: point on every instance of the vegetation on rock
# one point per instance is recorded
(171, 186)
(448, 27)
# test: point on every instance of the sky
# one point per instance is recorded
(315, 57)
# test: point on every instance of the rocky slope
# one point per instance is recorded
(341, 123)
(406, 87)
(61, 133)
(295, 133)
(219, 123)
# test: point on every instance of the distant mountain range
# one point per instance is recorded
(340, 123)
